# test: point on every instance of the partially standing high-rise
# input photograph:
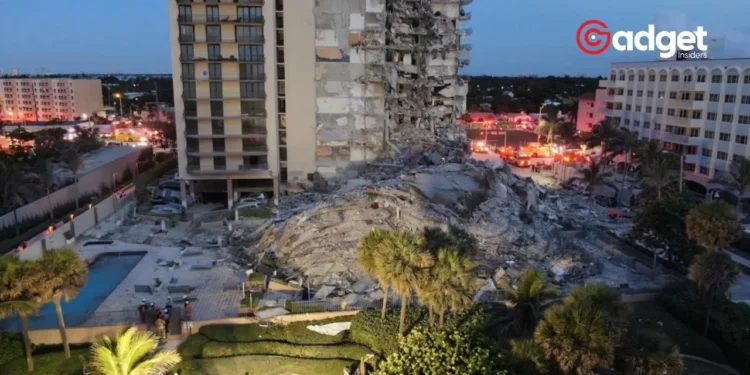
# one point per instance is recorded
(270, 92)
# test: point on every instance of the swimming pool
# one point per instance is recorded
(105, 274)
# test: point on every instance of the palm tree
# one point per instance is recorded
(372, 247)
(650, 353)
(605, 299)
(131, 354)
(46, 175)
(714, 273)
(592, 177)
(715, 225)
(452, 277)
(403, 266)
(525, 357)
(526, 298)
(12, 175)
(660, 173)
(547, 127)
(738, 178)
(73, 159)
(18, 287)
(64, 274)
(603, 133)
(649, 152)
(624, 144)
(576, 337)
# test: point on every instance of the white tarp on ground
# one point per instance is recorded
(271, 313)
(331, 329)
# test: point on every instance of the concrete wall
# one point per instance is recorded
(88, 96)
(76, 335)
(88, 184)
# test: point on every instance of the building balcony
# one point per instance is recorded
(248, 2)
(223, 97)
(223, 78)
(674, 138)
(240, 169)
(249, 152)
(682, 86)
(247, 133)
(465, 31)
(604, 82)
(196, 116)
(201, 19)
(675, 120)
(464, 16)
(679, 103)
(258, 39)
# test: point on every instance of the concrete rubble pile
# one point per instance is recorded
(517, 223)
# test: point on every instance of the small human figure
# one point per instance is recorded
(161, 329)
(142, 310)
(165, 317)
(187, 316)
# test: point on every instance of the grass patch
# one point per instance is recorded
(48, 364)
(650, 316)
(256, 277)
(193, 346)
(266, 365)
(343, 351)
(382, 335)
(694, 367)
(293, 333)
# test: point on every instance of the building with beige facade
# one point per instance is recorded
(45, 99)
(271, 92)
(698, 108)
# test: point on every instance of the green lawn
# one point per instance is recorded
(693, 367)
(48, 364)
(263, 365)
(650, 316)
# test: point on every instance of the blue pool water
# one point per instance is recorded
(105, 274)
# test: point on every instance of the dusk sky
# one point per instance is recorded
(511, 37)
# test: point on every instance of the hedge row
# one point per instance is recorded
(382, 336)
(11, 347)
(293, 333)
(729, 322)
(342, 351)
(267, 365)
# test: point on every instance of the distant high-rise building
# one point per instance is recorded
(44, 99)
(274, 91)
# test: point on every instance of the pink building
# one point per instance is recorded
(589, 113)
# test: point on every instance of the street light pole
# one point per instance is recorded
(682, 169)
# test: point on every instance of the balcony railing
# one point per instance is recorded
(253, 130)
(251, 2)
(258, 20)
(250, 39)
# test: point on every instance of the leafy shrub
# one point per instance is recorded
(263, 365)
(382, 335)
(294, 333)
(193, 346)
(728, 326)
(296, 307)
(224, 349)
(11, 347)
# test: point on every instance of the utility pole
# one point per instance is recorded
(682, 169)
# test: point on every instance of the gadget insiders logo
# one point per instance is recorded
(593, 38)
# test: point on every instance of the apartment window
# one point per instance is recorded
(186, 13)
(282, 105)
(721, 155)
(685, 96)
(737, 158)
(648, 109)
(744, 119)
(250, 14)
(705, 170)
(670, 111)
(620, 91)
(662, 78)
(613, 77)
(280, 72)
(280, 55)
(660, 95)
(639, 93)
(186, 33)
(217, 127)
(745, 99)
(279, 21)
(251, 53)
(691, 150)
(280, 38)
(636, 123)
(214, 51)
(697, 115)
(646, 125)
(733, 78)
(213, 33)
(637, 108)
(194, 162)
(698, 96)
(191, 126)
(708, 134)
(630, 92)
(253, 126)
(657, 126)
(711, 116)
(626, 122)
(741, 139)
(216, 90)
(694, 132)
(218, 144)
(651, 77)
(255, 161)
(713, 97)
(192, 144)
(641, 77)
(253, 108)
(726, 117)
(628, 107)
(212, 14)
(252, 90)
(730, 98)
(669, 128)
(746, 79)
(650, 94)
(249, 33)
(188, 90)
(679, 130)
(701, 78)
(188, 71)
(186, 51)
(622, 77)
(716, 78)
(252, 72)
(214, 71)
(687, 78)
(217, 108)
(724, 137)
(672, 95)
(631, 77)
(707, 152)
(611, 92)
(684, 113)
(675, 77)
(220, 163)
(282, 91)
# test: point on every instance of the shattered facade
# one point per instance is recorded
(387, 73)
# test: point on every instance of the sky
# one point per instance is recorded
(510, 37)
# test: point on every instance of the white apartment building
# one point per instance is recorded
(270, 92)
(44, 99)
(697, 107)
